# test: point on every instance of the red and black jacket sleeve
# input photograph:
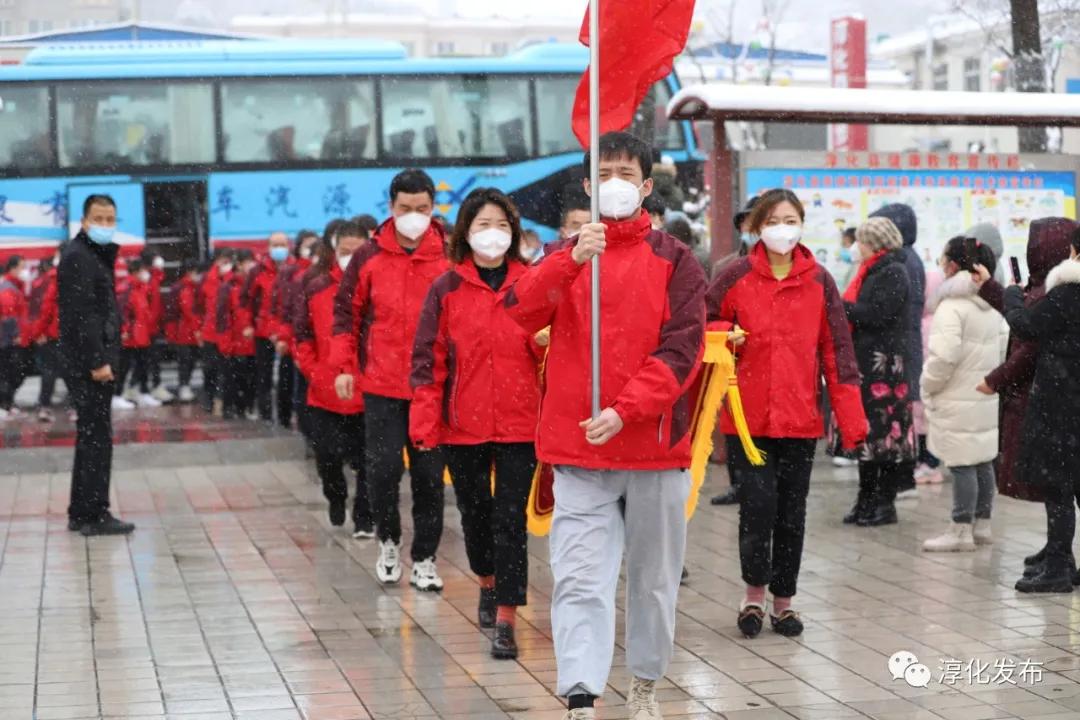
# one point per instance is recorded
(839, 366)
(351, 304)
(535, 296)
(430, 364)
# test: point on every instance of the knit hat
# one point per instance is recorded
(879, 233)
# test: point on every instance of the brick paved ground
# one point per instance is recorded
(235, 599)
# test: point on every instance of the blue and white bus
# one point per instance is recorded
(223, 142)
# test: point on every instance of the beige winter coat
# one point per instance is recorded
(967, 341)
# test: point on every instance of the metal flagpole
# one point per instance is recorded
(594, 183)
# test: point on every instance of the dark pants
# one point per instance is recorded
(494, 525)
(772, 510)
(92, 468)
(11, 375)
(925, 456)
(185, 362)
(264, 378)
(1061, 493)
(153, 362)
(880, 481)
(286, 378)
(213, 375)
(339, 439)
(387, 430)
(239, 383)
(299, 400)
(135, 362)
(48, 361)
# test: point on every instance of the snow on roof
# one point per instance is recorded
(941, 27)
(912, 107)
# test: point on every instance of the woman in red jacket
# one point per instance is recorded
(476, 392)
(13, 327)
(796, 333)
(188, 323)
(236, 338)
(338, 425)
(44, 332)
(136, 334)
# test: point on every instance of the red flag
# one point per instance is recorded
(639, 39)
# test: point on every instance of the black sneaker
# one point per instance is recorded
(1046, 582)
(1036, 558)
(75, 525)
(751, 620)
(337, 512)
(364, 529)
(504, 646)
(485, 611)
(859, 514)
(107, 525)
(728, 498)
(788, 624)
(685, 576)
(884, 515)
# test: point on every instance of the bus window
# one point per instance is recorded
(135, 123)
(667, 134)
(309, 119)
(554, 104)
(25, 141)
(456, 117)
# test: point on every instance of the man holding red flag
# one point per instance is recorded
(621, 480)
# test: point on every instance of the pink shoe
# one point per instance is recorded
(935, 478)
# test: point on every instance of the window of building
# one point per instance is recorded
(456, 117)
(941, 76)
(7, 27)
(103, 123)
(298, 119)
(500, 48)
(972, 75)
(444, 47)
(25, 141)
(33, 26)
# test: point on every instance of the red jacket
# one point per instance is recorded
(797, 333)
(13, 320)
(475, 372)
(652, 333)
(43, 312)
(209, 297)
(187, 326)
(288, 286)
(313, 321)
(378, 306)
(136, 314)
(260, 285)
(232, 317)
(157, 277)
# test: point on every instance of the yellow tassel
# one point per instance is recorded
(753, 454)
(714, 381)
(538, 518)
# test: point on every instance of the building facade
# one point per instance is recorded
(21, 17)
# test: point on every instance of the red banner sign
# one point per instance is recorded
(847, 64)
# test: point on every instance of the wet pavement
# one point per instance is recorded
(236, 599)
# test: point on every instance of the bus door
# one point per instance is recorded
(176, 219)
(130, 215)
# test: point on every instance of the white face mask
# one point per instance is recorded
(343, 261)
(159, 263)
(144, 276)
(412, 225)
(305, 253)
(619, 199)
(781, 238)
(225, 268)
(490, 244)
(26, 275)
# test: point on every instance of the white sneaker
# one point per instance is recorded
(131, 395)
(843, 462)
(958, 538)
(163, 395)
(641, 701)
(425, 576)
(148, 401)
(580, 714)
(983, 532)
(388, 568)
(121, 403)
(185, 395)
(3, 414)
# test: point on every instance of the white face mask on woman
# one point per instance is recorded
(619, 199)
(781, 239)
(490, 244)
(343, 261)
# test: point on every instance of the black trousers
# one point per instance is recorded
(92, 468)
(285, 379)
(339, 440)
(772, 510)
(1061, 494)
(239, 383)
(264, 378)
(185, 363)
(882, 480)
(48, 362)
(299, 401)
(213, 374)
(494, 524)
(387, 430)
(153, 362)
(134, 361)
(11, 375)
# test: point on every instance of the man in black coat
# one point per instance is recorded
(89, 349)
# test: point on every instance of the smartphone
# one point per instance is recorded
(1014, 264)
(971, 254)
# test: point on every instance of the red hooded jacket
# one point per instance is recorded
(260, 285)
(652, 337)
(13, 320)
(313, 321)
(232, 317)
(797, 333)
(43, 314)
(209, 297)
(475, 372)
(378, 306)
(136, 314)
(187, 325)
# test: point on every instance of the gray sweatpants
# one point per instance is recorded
(598, 513)
(973, 492)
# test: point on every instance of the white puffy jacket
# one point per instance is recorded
(967, 341)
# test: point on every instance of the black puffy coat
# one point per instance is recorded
(1050, 446)
(89, 319)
